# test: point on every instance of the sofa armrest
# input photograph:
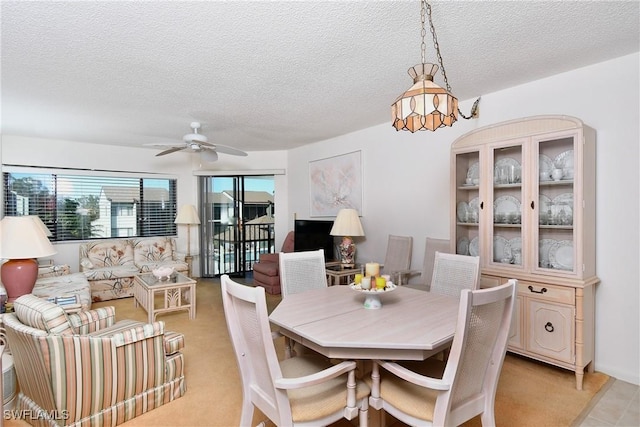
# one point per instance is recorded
(85, 264)
(273, 257)
(139, 333)
(53, 270)
(85, 322)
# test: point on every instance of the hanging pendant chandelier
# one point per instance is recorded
(427, 106)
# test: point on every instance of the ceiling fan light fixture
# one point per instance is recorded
(194, 137)
(197, 143)
(425, 105)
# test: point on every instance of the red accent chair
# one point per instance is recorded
(266, 272)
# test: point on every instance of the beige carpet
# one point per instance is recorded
(529, 393)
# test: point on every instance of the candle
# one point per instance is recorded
(357, 279)
(365, 283)
(381, 282)
(372, 269)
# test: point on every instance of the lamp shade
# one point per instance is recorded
(347, 223)
(187, 215)
(425, 105)
(42, 226)
(23, 238)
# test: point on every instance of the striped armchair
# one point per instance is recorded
(85, 369)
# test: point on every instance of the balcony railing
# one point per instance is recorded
(253, 240)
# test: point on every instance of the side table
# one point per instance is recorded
(175, 294)
(337, 273)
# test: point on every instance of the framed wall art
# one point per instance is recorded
(336, 183)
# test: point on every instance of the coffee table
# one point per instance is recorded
(175, 294)
(336, 272)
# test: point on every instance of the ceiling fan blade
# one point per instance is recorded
(207, 144)
(160, 144)
(209, 156)
(229, 150)
(170, 150)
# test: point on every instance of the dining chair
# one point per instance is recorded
(302, 271)
(299, 391)
(453, 272)
(431, 246)
(397, 260)
(299, 272)
(437, 393)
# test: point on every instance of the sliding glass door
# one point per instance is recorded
(237, 223)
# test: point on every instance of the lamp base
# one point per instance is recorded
(347, 250)
(19, 276)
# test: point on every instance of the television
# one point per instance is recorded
(311, 235)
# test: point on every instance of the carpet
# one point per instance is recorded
(529, 393)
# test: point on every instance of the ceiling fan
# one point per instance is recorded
(196, 142)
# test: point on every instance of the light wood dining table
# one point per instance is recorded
(411, 324)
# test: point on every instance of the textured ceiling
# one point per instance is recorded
(268, 75)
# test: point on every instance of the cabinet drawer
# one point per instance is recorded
(546, 292)
(489, 281)
(551, 330)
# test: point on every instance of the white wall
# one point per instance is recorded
(406, 183)
(406, 180)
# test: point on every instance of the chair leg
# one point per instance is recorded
(246, 416)
(363, 414)
(287, 347)
(488, 419)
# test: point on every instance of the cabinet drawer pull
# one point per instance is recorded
(533, 205)
(481, 205)
(541, 291)
(549, 327)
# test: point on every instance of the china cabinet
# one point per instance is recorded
(523, 199)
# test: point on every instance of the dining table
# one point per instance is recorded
(411, 324)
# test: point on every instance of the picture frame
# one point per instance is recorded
(335, 183)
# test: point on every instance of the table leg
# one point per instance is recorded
(192, 307)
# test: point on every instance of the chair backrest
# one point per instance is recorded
(41, 314)
(245, 310)
(289, 242)
(398, 256)
(302, 271)
(430, 248)
(477, 353)
(452, 273)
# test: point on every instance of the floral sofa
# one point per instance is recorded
(85, 369)
(111, 265)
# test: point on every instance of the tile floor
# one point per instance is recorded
(618, 404)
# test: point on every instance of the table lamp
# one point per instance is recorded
(187, 215)
(22, 240)
(347, 225)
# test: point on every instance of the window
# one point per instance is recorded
(80, 206)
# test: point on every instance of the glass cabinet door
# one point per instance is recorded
(467, 184)
(556, 205)
(505, 212)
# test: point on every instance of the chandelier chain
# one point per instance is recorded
(423, 34)
(427, 6)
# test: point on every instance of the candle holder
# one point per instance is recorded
(372, 299)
